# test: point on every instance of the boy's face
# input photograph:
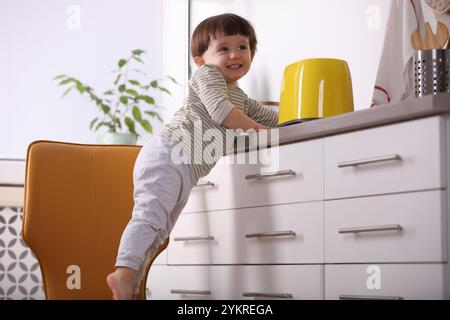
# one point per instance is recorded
(230, 54)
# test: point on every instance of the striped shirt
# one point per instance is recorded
(197, 129)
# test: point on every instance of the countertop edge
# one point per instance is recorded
(406, 110)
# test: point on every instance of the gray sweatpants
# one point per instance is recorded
(161, 190)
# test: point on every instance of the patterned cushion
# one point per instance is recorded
(440, 6)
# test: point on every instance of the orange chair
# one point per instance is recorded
(78, 200)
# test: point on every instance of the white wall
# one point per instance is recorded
(36, 44)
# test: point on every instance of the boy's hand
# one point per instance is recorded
(237, 120)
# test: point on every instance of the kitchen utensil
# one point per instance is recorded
(431, 72)
(430, 40)
(315, 88)
(440, 6)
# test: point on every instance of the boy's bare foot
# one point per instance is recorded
(121, 283)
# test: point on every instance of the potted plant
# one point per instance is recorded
(126, 104)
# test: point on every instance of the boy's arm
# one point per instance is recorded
(262, 114)
(238, 120)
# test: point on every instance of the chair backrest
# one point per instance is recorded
(78, 200)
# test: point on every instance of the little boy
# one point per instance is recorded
(223, 48)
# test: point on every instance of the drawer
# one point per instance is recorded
(403, 157)
(236, 282)
(392, 281)
(407, 227)
(285, 174)
(163, 280)
(284, 234)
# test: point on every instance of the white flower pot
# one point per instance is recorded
(116, 138)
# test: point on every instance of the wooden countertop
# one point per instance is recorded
(378, 116)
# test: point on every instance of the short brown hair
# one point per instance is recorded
(227, 24)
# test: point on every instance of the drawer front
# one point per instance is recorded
(397, 158)
(236, 282)
(164, 283)
(393, 281)
(280, 282)
(395, 228)
(286, 174)
(285, 234)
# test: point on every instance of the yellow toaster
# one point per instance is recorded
(314, 89)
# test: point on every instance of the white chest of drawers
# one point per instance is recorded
(361, 215)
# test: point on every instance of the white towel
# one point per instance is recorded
(395, 81)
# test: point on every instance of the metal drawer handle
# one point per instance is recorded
(193, 292)
(208, 184)
(267, 295)
(270, 175)
(392, 227)
(356, 163)
(206, 238)
(359, 297)
(270, 234)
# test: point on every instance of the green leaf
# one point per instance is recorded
(138, 52)
(99, 125)
(124, 100)
(139, 71)
(154, 115)
(148, 99)
(146, 125)
(117, 79)
(154, 83)
(172, 79)
(93, 123)
(66, 92)
(138, 59)
(59, 77)
(109, 92)
(96, 99)
(122, 62)
(135, 82)
(105, 108)
(137, 113)
(130, 124)
(65, 81)
(132, 92)
(112, 127)
(80, 87)
(164, 90)
(122, 88)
